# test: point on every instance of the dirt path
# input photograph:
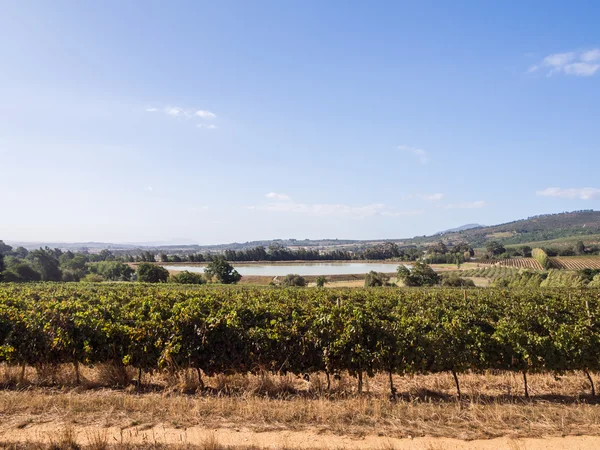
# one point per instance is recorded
(52, 432)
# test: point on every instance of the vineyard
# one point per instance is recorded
(490, 272)
(301, 331)
(575, 262)
(518, 263)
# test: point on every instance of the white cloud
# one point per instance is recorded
(174, 111)
(591, 55)
(205, 114)
(587, 193)
(283, 204)
(148, 188)
(432, 197)
(578, 63)
(177, 111)
(582, 69)
(467, 205)
(420, 154)
(276, 196)
(207, 126)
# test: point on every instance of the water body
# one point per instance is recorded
(273, 270)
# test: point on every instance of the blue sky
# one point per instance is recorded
(232, 121)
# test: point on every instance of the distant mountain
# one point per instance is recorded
(468, 226)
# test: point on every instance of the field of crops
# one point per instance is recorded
(256, 330)
(490, 272)
(576, 262)
(518, 263)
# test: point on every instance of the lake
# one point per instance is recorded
(319, 268)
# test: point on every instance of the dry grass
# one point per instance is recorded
(426, 406)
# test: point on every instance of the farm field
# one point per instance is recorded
(351, 368)
(518, 263)
(576, 262)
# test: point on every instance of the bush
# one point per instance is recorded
(187, 277)
(293, 279)
(321, 280)
(22, 273)
(93, 278)
(150, 273)
(374, 279)
(453, 280)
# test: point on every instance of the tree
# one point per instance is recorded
(150, 273)
(374, 279)
(187, 277)
(112, 270)
(420, 275)
(495, 248)
(21, 273)
(224, 272)
(5, 249)
(2, 267)
(321, 280)
(580, 248)
(45, 261)
(293, 280)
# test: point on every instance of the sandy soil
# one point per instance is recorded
(161, 434)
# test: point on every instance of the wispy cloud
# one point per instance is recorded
(205, 114)
(148, 188)
(283, 203)
(420, 154)
(276, 196)
(467, 205)
(579, 63)
(187, 113)
(436, 197)
(587, 193)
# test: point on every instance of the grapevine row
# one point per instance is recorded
(253, 330)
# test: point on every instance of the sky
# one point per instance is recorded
(214, 122)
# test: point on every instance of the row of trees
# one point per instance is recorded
(363, 332)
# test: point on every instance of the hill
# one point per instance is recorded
(556, 227)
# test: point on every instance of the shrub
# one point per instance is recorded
(293, 279)
(374, 279)
(453, 280)
(187, 277)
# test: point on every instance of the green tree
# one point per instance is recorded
(420, 275)
(321, 280)
(112, 270)
(5, 249)
(224, 272)
(374, 279)
(187, 277)
(293, 280)
(2, 266)
(150, 273)
(21, 273)
(45, 261)
(495, 248)
(580, 248)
